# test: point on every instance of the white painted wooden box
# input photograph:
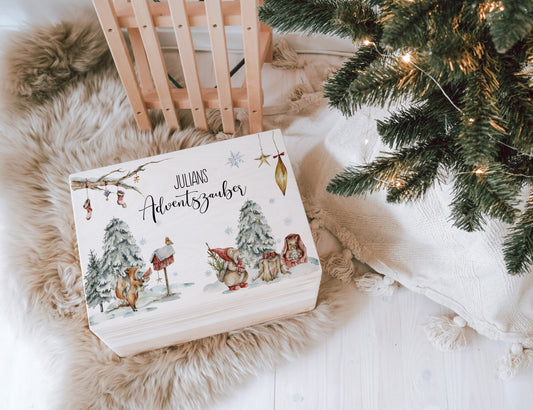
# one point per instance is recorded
(192, 243)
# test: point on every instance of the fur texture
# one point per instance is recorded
(68, 112)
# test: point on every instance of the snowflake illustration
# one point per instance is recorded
(208, 273)
(271, 200)
(228, 230)
(287, 221)
(235, 159)
(142, 242)
(278, 240)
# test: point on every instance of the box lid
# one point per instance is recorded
(210, 228)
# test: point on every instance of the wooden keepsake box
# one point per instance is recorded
(193, 243)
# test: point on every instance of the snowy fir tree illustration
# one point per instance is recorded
(98, 288)
(255, 235)
(120, 251)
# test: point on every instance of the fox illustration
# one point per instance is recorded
(128, 289)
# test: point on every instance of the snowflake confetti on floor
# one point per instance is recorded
(235, 159)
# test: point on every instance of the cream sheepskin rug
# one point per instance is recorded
(65, 111)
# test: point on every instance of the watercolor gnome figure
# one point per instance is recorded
(270, 267)
(229, 267)
(294, 251)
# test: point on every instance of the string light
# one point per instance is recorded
(479, 171)
(399, 183)
(407, 59)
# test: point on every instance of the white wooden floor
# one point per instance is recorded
(379, 360)
(382, 360)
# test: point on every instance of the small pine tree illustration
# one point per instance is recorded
(255, 235)
(120, 253)
(214, 260)
(96, 287)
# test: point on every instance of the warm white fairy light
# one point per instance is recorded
(479, 171)
(399, 183)
(367, 42)
(406, 58)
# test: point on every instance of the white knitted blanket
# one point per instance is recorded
(416, 243)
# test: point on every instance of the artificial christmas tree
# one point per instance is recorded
(461, 72)
(255, 236)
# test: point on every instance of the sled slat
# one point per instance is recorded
(250, 29)
(195, 11)
(188, 61)
(217, 35)
(155, 60)
(117, 45)
(145, 78)
(209, 98)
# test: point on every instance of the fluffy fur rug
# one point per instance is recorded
(65, 111)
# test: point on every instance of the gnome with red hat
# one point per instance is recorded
(232, 272)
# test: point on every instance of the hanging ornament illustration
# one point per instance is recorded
(136, 178)
(87, 203)
(120, 198)
(263, 158)
(107, 192)
(281, 170)
(87, 207)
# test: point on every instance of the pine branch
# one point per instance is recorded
(407, 173)
(492, 193)
(510, 21)
(336, 87)
(418, 123)
(483, 125)
(515, 99)
(518, 245)
(466, 70)
(383, 82)
(215, 261)
(410, 23)
(465, 212)
(344, 18)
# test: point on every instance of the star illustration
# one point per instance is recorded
(262, 159)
